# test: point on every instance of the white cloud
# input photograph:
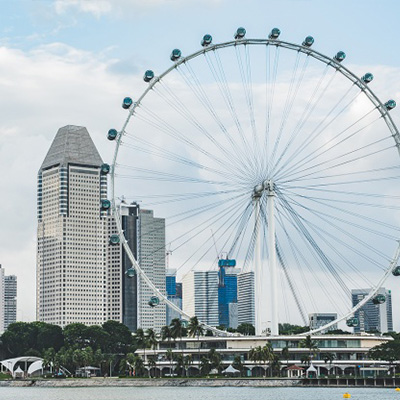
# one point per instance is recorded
(120, 8)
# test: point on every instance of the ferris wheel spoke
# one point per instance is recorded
(321, 127)
(290, 98)
(328, 218)
(313, 170)
(193, 82)
(160, 152)
(325, 202)
(220, 78)
(319, 258)
(317, 153)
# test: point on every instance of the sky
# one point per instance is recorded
(71, 62)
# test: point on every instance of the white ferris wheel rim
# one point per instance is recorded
(373, 98)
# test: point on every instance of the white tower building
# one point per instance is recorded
(246, 298)
(200, 296)
(2, 328)
(152, 261)
(74, 279)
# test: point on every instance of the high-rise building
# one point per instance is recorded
(173, 295)
(371, 316)
(1, 300)
(227, 293)
(246, 298)
(316, 320)
(152, 261)
(200, 296)
(10, 300)
(130, 225)
(78, 271)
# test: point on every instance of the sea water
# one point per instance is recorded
(194, 393)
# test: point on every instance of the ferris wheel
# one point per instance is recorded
(275, 155)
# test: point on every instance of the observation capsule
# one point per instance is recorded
(240, 33)
(352, 322)
(390, 104)
(206, 41)
(274, 33)
(379, 299)
(396, 271)
(126, 103)
(367, 78)
(112, 134)
(176, 55)
(114, 239)
(308, 41)
(105, 169)
(148, 75)
(105, 204)
(154, 301)
(340, 56)
(130, 273)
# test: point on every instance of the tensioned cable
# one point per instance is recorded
(317, 131)
(315, 153)
(290, 216)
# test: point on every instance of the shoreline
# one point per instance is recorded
(180, 382)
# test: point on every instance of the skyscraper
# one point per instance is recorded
(227, 293)
(246, 305)
(152, 261)
(8, 300)
(200, 295)
(172, 295)
(78, 272)
(317, 320)
(373, 317)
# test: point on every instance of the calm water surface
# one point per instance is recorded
(188, 393)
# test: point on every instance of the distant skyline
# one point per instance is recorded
(72, 62)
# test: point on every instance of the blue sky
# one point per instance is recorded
(71, 62)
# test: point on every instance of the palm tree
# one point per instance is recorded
(141, 341)
(130, 359)
(215, 359)
(309, 344)
(180, 365)
(267, 354)
(166, 334)
(176, 328)
(328, 357)
(48, 359)
(170, 357)
(188, 360)
(205, 365)
(152, 364)
(286, 355)
(255, 354)
(195, 328)
(138, 364)
(237, 363)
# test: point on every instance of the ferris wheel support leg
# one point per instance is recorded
(258, 273)
(272, 259)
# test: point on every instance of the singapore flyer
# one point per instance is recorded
(272, 154)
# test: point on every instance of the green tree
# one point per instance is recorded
(166, 334)
(180, 364)
(286, 355)
(169, 355)
(176, 328)
(237, 363)
(75, 336)
(215, 359)
(205, 366)
(289, 329)
(138, 365)
(152, 364)
(49, 356)
(188, 361)
(246, 329)
(311, 345)
(195, 328)
(119, 338)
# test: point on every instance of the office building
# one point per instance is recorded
(316, 320)
(200, 296)
(373, 317)
(78, 271)
(152, 260)
(246, 298)
(227, 293)
(173, 295)
(10, 300)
